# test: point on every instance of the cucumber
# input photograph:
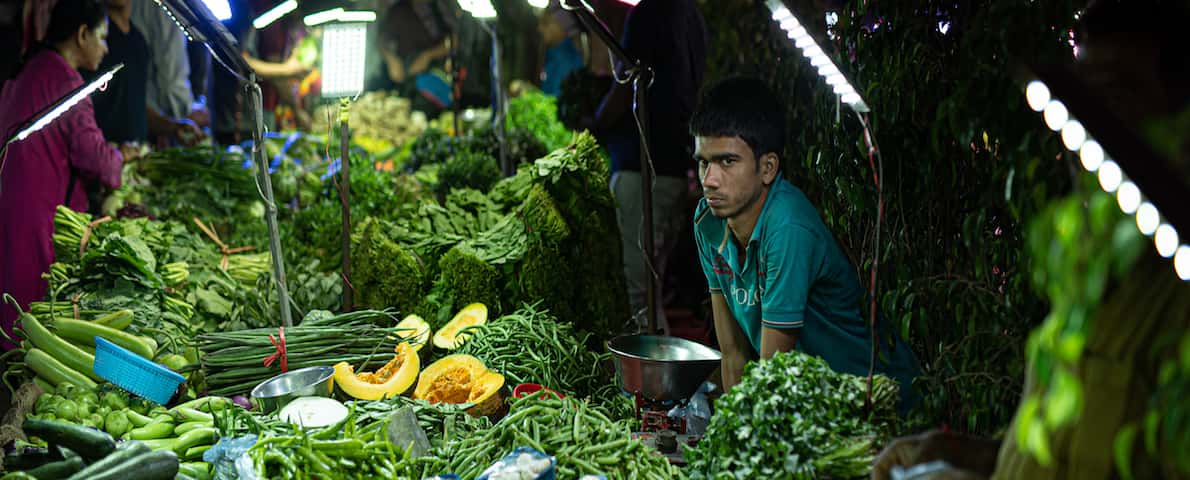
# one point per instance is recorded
(184, 476)
(206, 404)
(86, 348)
(196, 470)
(159, 465)
(18, 476)
(152, 431)
(126, 451)
(51, 370)
(57, 470)
(195, 453)
(70, 355)
(137, 419)
(182, 415)
(85, 333)
(29, 458)
(195, 438)
(91, 444)
(119, 319)
(188, 426)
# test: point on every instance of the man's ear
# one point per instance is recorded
(770, 164)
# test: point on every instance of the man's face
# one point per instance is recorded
(733, 179)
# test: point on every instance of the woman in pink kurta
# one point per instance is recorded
(38, 171)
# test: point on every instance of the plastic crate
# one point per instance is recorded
(134, 373)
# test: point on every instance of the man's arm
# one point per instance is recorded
(773, 340)
(732, 342)
(272, 70)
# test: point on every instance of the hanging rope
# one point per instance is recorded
(223, 248)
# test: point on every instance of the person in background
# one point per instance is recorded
(231, 116)
(168, 88)
(45, 170)
(1132, 54)
(562, 56)
(414, 43)
(122, 109)
(670, 37)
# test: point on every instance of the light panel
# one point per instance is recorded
(343, 50)
(69, 103)
(539, 3)
(274, 14)
(827, 69)
(1110, 176)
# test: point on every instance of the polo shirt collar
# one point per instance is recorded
(779, 184)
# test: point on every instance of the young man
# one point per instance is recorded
(778, 280)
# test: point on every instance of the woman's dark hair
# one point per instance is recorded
(69, 15)
(742, 107)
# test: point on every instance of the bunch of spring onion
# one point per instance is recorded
(235, 361)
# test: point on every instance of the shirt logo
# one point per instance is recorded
(720, 266)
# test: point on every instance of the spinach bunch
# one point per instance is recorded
(793, 417)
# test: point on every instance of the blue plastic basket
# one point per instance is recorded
(134, 373)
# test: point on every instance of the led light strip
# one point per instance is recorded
(478, 8)
(818, 58)
(274, 14)
(1111, 177)
(338, 15)
(70, 102)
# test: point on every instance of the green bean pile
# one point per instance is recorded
(531, 346)
(579, 435)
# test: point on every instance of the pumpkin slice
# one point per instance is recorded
(461, 379)
(393, 379)
(415, 331)
(451, 335)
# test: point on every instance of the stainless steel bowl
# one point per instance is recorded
(662, 368)
(273, 394)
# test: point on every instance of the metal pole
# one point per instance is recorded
(640, 76)
(499, 119)
(456, 86)
(345, 200)
(640, 108)
(270, 215)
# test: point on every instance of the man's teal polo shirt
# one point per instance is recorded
(794, 275)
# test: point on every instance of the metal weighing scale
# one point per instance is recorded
(662, 373)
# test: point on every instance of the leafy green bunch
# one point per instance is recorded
(793, 417)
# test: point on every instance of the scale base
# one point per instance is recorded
(675, 458)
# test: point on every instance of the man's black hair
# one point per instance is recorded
(742, 107)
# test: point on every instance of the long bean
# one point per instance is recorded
(234, 361)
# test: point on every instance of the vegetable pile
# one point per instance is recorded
(580, 435)
(793, 417)
(531, 346)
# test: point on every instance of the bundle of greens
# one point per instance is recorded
(531, 346)
(384, 273)
(793, 417)
(468, 169)
(536, 112)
